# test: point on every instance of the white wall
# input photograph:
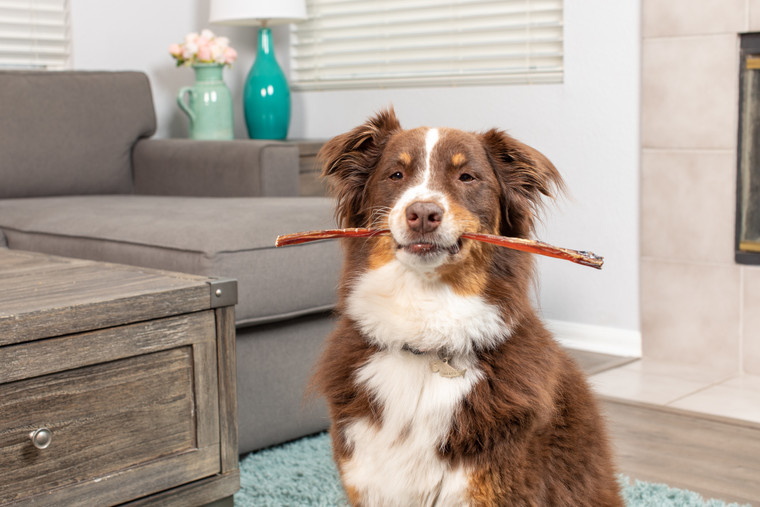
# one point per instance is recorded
(588, 126)
(135, 35)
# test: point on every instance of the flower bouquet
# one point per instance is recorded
(209, 102)
(203, 48)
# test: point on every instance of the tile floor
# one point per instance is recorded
(695, 389)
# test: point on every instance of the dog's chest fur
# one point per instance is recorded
(396, 462)
(395, 306)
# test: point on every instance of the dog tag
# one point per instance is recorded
(444, 369)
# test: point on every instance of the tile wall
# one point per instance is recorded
(698, 307)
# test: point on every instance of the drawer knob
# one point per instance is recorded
(41, 438)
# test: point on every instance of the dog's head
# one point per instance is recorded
(428, 186)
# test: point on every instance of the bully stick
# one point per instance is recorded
(525, 245)
(539, 247)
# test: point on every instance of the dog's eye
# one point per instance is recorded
(397, 176)
(466, 177)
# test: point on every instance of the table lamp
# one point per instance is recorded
(266, 95)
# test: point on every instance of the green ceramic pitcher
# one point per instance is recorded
(209, 104)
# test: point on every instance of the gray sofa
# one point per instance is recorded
(81, 177)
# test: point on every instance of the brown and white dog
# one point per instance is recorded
(444, 387)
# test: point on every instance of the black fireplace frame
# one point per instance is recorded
(749, 45)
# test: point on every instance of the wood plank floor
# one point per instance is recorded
(718, 458)
(714, 456)
(593, 362)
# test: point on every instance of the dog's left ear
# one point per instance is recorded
(349, 159)
(525, 176)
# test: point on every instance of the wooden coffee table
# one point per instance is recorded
(117, 384)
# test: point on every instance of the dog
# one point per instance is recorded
(444, 387)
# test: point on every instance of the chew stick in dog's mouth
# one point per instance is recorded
(524, 245)
(541, 248)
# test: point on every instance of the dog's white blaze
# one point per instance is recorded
(396, 463)
(422, 191)
(431, 139)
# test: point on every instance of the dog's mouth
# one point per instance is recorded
(430, 249)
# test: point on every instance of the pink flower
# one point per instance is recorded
(204, 53)
(189, 50)
(230, 55)
(203, 48)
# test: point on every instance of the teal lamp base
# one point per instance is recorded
(266, 96)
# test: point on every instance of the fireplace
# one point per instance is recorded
(747, 243)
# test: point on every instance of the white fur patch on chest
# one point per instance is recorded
(396, 463)
(394, 306)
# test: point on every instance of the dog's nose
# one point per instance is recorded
(423, 216)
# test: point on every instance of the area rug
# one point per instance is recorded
(302, 473)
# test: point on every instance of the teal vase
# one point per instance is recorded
(208, 104)
(266, 97)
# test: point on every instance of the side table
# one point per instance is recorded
(117, 384)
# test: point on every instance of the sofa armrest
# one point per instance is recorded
(243, 168)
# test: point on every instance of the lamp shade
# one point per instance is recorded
(254, 12)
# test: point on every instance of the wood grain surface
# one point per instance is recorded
(717, 457)
(131, 369)
(104, 418)
(42, 295)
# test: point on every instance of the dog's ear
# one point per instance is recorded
(525, 175)
(349, 159)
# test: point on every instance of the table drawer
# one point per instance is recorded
(130, 405)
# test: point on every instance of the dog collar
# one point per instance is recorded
(439, 364)
(416, 352)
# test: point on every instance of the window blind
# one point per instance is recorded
(392, 43)
(34, 34)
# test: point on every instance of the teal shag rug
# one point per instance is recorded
(302, 473)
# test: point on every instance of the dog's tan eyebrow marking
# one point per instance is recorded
(458, 159)
(405, 158)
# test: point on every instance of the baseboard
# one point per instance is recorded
(605, 340)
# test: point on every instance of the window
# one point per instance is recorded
(392, 43)
(34, 34)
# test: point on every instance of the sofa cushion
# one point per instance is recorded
(65, 133)
(229, 237)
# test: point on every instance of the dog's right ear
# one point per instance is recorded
(349, 159)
